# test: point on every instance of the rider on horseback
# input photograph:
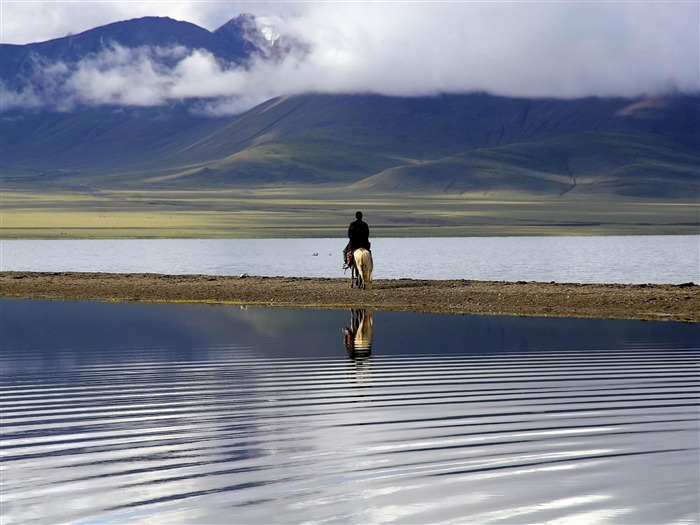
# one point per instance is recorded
(358, 233)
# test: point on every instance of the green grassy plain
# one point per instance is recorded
(325, 211)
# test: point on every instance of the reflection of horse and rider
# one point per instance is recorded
(357, 255)
(358, 336)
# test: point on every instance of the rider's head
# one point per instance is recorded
(358, 215)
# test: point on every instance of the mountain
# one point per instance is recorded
(257, 39)
(23, 62)
(148, 31)
(47, 74)
(75, 114)
(456, 143)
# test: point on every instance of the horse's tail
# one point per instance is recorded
(366, 266)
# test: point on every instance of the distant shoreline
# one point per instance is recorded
(612, 301)
(317, 211)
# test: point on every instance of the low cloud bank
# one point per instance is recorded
(123, 76)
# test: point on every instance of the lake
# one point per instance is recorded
(177, 413)
(668, 259)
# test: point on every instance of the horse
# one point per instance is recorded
(362, 269)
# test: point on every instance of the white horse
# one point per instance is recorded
(362, 270)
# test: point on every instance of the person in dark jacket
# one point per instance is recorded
(358, 235)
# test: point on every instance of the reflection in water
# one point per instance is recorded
(144, 413)
(357, 339)
(358, 336)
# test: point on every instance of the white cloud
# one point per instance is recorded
(561, 49)
(535, 49)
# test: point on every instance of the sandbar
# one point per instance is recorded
(672, 302)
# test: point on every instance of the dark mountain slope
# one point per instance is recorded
(455, 143)
(565, 145)
(98, 139)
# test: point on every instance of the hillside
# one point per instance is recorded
(453, 143)
(75, 113)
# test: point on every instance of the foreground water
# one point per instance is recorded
(162, 413)
(668, 259)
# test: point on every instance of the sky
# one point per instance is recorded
(560, 49)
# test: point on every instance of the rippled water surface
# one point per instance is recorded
(162, 413)
(670, 259)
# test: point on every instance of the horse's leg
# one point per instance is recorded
(360, 263)
(369, 267)
(355, 271)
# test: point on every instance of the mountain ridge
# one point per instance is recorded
(473, 142)
(138, 32)
(53, 74)
(457, 143)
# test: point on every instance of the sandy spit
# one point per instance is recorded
(652, 302)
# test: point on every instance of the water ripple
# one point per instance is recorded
(523, 438)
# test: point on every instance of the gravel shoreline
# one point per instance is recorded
(619, 301)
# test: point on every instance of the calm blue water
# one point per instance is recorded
(624, 259)
(167, 413)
